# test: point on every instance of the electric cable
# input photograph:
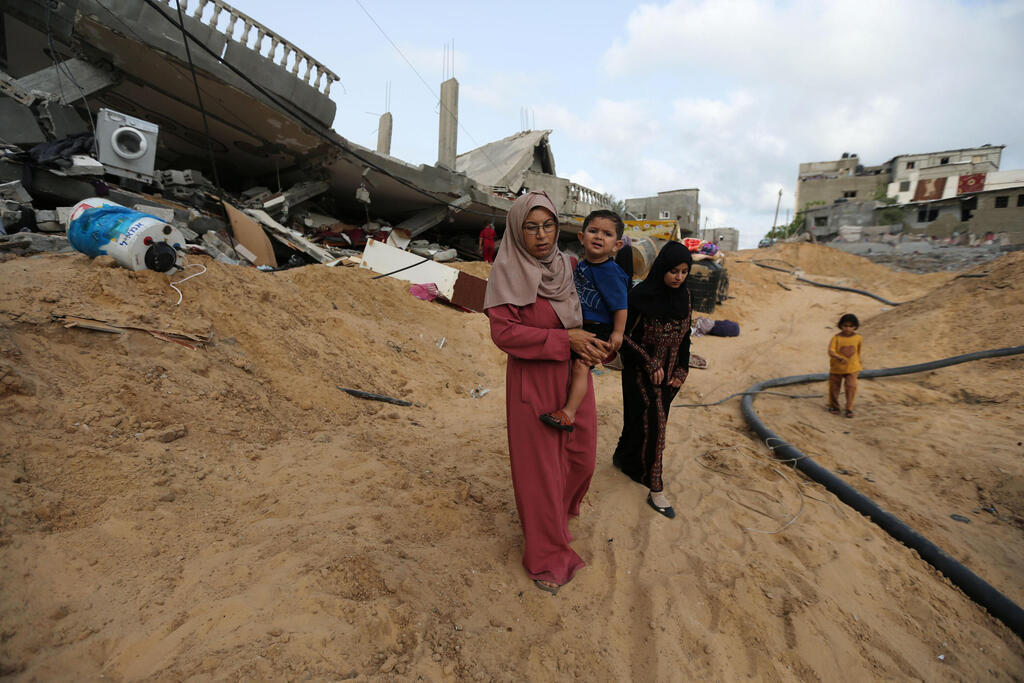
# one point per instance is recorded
(427, 85)
(377, 277)
(315, 127)
(199, 101)
(970, 583)
(57, 68)
(178, 282)
(230, 231)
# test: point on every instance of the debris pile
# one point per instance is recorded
(41, 184)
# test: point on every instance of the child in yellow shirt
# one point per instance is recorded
(844, 363)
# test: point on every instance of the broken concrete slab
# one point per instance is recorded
(281, 203)
(83, 165)
(24, 243)
(187, 177)
(54, 80)
(291, 238)
(166, 215)
(428, 218)
(60, 120)
(47, 221)
(213, 246)
(19, 123)
(14, 191)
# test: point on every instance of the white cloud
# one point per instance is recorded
(764, 86)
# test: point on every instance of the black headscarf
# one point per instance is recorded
(653, 297)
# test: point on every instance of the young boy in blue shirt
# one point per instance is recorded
(603, 288)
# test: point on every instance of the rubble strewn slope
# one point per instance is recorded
(227, 512)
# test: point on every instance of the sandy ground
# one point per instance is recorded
(226, 512)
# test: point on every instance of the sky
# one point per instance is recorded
(728, 96)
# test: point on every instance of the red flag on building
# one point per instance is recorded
(971, 183)
(929, 189)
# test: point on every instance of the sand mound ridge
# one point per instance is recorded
(226, 512)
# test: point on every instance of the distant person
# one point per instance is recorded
(603, 289)
(655, 363)
(485, 243)
(535, 318)
(844, 363)
(624, 257)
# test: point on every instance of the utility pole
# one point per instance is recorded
(774, 220)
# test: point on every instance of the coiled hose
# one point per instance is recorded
(970, 583)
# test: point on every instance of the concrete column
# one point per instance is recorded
(448, 135)
(384, 134)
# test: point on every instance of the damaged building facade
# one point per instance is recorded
(959, 192)
(682, 206)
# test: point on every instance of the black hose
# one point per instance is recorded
(743, 393)
(765, 265)
(850, 289)
(822, 284)
(970, 583)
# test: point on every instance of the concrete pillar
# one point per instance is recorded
(448, 135)
(384, 134)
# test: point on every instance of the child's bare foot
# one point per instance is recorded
(559, 420)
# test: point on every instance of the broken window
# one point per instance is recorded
(905, 186)
(943, 161)
(1002, 202)
(820, 221)
(927, 215)
(910, 164)
(664, 215)
(849, 194)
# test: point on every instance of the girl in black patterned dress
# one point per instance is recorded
(655, 362)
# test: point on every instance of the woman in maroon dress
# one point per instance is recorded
(535, 318)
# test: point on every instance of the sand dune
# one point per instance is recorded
(226, 512)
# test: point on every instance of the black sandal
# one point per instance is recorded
(558, 420)
(667, 511)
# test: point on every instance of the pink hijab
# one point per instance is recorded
(517, 278)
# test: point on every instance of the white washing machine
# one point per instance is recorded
(126, 145)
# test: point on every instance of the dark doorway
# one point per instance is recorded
(967, 207)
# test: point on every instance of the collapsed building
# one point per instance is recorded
(206, 116)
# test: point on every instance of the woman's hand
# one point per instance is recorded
(587, 346)
(658, 377)
(675, 382)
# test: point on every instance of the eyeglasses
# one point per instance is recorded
(533, 229)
